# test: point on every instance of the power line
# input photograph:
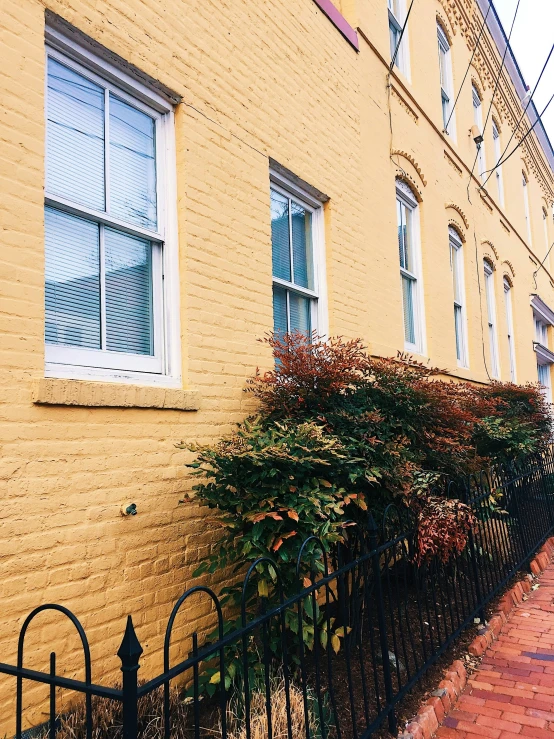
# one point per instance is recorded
(468, 66)
(516, 147)
(542, 264)
(516, 129)
(498, 76)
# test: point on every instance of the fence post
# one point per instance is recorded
(129, 653)
(384, 642)
(473, 558)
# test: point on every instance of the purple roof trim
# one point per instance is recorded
(339, 22)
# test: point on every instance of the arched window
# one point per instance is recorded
(460, 321)
(510, 328)
(447, 86)
(478, 120)
(407, 216)
(491, 318)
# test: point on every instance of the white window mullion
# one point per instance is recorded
(288, 310)
(291, 250)
(103, 336)
(107, 148)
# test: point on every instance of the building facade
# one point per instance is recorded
(179, 179)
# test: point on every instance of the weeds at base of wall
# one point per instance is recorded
(107, 722)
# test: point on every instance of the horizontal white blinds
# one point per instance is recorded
(72, 265)
(75, 137)
(101, 157)
(98, 286)
(128, 268)
(132, 165)
(292, 256)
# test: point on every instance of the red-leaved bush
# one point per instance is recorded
(333, 418)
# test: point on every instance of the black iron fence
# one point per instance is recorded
(336, 658)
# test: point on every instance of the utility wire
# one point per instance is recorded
(498, 76)
(542, 264)
(468, 66)
(499, 162)
(516, 147)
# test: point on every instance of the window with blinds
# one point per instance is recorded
(103, 233)
(409, 258)
(296, 294)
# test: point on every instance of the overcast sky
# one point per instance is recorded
(531, 40)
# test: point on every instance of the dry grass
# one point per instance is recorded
(106, 718)
(258, 717)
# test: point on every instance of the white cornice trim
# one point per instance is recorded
(542, 310)
(544, 355)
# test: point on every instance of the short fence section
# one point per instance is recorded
(336, 658)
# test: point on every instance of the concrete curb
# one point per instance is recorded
(432, 712)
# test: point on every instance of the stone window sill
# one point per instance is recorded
(51, 391)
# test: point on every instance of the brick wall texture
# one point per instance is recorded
(258, 79)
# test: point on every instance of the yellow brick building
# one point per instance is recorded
(176, 179)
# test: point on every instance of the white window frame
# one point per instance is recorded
(406, 196)
(396, 22)
(478, 120)
(164, 368)
(510, 328)
(456, 253)
(491, 319)
(525, 186)
(446, 83)
(319, 317)
(498, 170)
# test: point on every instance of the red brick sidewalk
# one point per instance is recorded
(511, 696)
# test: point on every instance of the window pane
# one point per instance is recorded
(299, 310)
(404, 216)
(280, 243)
(408, 307)
(280, 323)
(459, 332)
(394, 36)
(128, 293)
(75, 137)
(72, 267)
(132, 165)
(302, 245)
(456, 274)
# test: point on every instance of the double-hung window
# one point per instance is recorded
(457, 266)
(445, 69)
(478, 120)
(410, 267)
(510, 328)
(491, 319)
(498, 170)
(106, 226)
(397, 13)
(297, 246)
(525, 186)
